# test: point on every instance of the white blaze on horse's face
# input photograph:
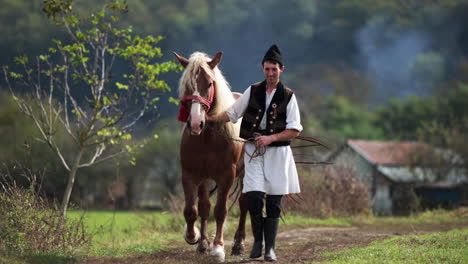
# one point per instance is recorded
(200, 105)
(197, 116)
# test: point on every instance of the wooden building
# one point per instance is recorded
(403, 176)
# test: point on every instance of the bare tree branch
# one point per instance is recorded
(103, 159)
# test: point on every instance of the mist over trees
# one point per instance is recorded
(367, 69)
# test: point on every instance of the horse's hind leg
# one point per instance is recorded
(192, 234)
(204, 212)
(239, 238)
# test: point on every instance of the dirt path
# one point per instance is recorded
(297, 245)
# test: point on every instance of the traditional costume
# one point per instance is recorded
(273, 173)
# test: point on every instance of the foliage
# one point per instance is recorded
(31, 225)
(448, 129)
(339, 42)
(20, 143)
(403, 119)
(100, 120)
(348, 120)
(331, 192)
(331, 78)
(400, 119)
(327, 31)
(158, 168)
(446, 247)
(440, 121)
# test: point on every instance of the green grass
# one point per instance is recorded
(428, 217)
(447, 247)
(116, 233)
(123, 233)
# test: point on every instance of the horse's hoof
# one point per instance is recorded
(217, 252)
(195, 239)
(203, 246)
(237, 250)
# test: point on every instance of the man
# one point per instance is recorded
(270, 116)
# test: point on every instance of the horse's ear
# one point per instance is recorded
(216, 59)
(183, 61)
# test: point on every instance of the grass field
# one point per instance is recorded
(122, 234)
(445, 247)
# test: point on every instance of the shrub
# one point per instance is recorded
(29, 224)
(329, 192)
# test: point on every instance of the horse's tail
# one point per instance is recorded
(240, 170)
(236, 190)
(239, 181)
(212, 191)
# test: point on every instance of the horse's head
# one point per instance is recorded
(197, 88)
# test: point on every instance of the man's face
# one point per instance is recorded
(272, 72)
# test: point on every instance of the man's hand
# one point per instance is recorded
(288, 134)
(262, 141)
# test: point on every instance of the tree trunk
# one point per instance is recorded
(71, 182)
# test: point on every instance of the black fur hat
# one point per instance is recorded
(273, 54)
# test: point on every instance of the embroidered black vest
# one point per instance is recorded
(276, 112)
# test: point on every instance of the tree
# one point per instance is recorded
(156, 177)
(349, 120)
(447, 129)
(400, 119)
(78, 87)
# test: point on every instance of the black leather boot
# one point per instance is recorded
(271, 228)
(257, 230)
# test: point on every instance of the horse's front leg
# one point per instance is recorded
(239, 238)
(192, 234)
(204, 212)
(220, 213)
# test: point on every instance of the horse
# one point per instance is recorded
(208, 152)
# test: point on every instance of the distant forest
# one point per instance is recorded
(366, 69)
(366, 50)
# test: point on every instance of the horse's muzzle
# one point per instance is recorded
(196, 130)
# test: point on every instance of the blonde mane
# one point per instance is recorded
(223, 97)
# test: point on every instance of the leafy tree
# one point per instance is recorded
(316, 80)
(348, 120)
(18, 143)
(447, 131)
(101, 118)
(400, 119)
(403, 119)
(157, 177)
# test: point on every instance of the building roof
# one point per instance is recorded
(409, 162)
(389, 152)
(426, 176)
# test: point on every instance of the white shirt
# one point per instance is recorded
(275, 172)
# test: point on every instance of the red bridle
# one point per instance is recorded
(183, 110)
